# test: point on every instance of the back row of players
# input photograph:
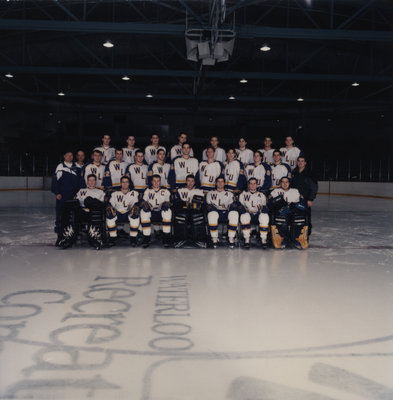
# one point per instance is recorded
(220, 175)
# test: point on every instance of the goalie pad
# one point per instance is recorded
(68, 224)
(299, 231)
(180, 227)
(96, 229)
(277, 239)
(197, 202)
(198, 227)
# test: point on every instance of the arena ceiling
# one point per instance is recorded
(318, 49)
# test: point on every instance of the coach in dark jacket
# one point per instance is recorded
(304, 181)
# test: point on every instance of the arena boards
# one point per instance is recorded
(127, 323)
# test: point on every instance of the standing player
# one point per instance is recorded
(137, 173)
(246, 156)
(235, 180)
(290, 152)
(65, 183)
(209, 171)
(129, 151)
(221, 207)
(151, 150)
(219, 153)
(289, 217)
(260, 171)
(188, 208)
(123, 207)
(156, 207)
(80, 159)
(279, 169)
(182, 167)
(114, 170)
(95, 168)
(267, 151)
(177, 150)
(253, 210)
(107, 151)
(160, 167)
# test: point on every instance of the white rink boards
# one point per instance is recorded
(157, 324)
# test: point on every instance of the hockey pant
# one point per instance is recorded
(260, 219)
(147, 217)
(68, 223)
(216, 217)
(113, 217)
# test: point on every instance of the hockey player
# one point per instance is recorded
(137, 173)
(267, 151)
(107, 151)
(209, 171)
(188, 209)
(156, 207)
(253, 210)
(183, 166)
(177, 150)
(304, 181)
(290, 152)
(129, 151)
(160, 167)
(219, 153)
(88, 207)
(260, 171)
(95, 168)
(279, 169)
(114, 170)
(123, 207)
(246, 156)
(151, 150)
(288, 217)
(235, 180)
(80, 159)
(65, 183)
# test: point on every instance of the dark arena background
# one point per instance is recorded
(219, 322)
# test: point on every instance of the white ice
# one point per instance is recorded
(156, 324)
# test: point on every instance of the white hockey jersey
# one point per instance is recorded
(156, 198)
(279, 171)
(138, 175)
(115, 170)
(289, 156)
(187, 195)
(182, 167)
(219, 155)
(107, 153)
(176, 151)
(260, 172)
(208, 173)
(267, 156)
(290, 196)
(252, 202)
(232, 172)
(129, 155)
(87, 192)
(123, 202)
(246, 156)
(151, 153)
(221, 200)
(98, 171)
(162, 170)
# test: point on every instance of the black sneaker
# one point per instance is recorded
(146, 242)
(133, 241)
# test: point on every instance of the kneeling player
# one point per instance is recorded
(289, 217)
(156, 207)
(253, 210)
(222, 207)
(188, 212)
(123, 207)
(88, 207)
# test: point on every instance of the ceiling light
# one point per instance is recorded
(125, 78)
(265, 47)
(60, 94)
(231, 97)
(9, 75)
(300, 99)
(243, 80)
(355, 84)
(108, 44)
(149, 95)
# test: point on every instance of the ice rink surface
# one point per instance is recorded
(157, 324)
